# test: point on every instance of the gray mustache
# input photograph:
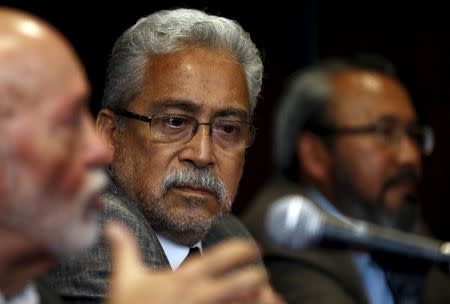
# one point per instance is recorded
(194, 178)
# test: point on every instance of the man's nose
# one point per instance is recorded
(410, 152)
(199, 150)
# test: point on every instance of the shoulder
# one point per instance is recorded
(229, 226)
(315, 276)
(84, 278)
(118, 207)
(436, 286)
(254, 215)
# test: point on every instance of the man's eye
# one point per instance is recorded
(228, 128)
(175, 121)
(388, 131)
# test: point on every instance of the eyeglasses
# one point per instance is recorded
(390, 131)
(170, 128)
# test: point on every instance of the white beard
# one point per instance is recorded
(61, 226)
(78, 234)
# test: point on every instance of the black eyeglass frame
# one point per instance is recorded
(426, 147)
(148, 119)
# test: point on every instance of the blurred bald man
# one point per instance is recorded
(50, 154)
(50, 179)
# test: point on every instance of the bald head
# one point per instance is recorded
(48, 144)
(34, 59)
(50, 155)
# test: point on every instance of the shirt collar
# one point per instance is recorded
(323, 203)
(176, 253)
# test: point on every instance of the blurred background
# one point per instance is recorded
(291, 35)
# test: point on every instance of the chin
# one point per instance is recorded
(195, 222)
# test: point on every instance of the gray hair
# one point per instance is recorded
(304, 104)
(170, 31)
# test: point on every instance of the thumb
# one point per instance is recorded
(125, 253)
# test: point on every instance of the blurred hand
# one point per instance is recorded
(226, 273)
(264, 295)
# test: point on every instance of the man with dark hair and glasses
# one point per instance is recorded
(180, 92)
(347, 133)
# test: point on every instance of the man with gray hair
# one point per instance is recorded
(348, 138)
(177, 111)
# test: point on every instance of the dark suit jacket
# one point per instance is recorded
(47, 295)
(322, 276)
(83, 279)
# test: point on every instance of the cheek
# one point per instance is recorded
(230, 169)
(151, 171)
(57, 164)
(141, 166)
(366, 166)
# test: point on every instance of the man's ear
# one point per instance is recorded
(313, 157)
(106, 126)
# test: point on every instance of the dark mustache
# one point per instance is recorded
(405, 174)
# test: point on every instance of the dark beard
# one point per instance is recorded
(351, 203)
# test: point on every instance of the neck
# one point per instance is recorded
(21, 260)
(185, 238)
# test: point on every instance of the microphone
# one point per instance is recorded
(294, 222)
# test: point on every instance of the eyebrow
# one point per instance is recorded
(240, 114)
(394, 118)
(180, 104)
(189, 106)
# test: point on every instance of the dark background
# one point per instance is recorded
(290, 35)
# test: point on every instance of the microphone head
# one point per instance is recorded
(294, 222)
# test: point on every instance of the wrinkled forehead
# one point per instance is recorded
(361, 97)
